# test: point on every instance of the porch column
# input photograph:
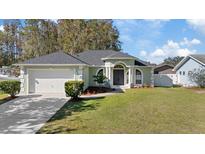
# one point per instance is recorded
(109, 76)
(106, 72)
(130, 76)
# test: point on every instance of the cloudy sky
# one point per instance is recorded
(154, 40)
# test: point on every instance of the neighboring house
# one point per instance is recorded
(188, 65)
(47, 74)
(164, 75)
(164, 68)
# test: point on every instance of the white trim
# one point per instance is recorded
(99, 70)
(135, 66)
(96, 66)
(180, 63)
(184, 60)
(120, 62)
(142, 76)
(196, 60)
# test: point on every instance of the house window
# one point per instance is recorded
(100, 72)
(138, 77)
(119, 66)
(190, 73)
(183, 72)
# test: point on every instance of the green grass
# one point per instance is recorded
(156, 110)
(3, 98)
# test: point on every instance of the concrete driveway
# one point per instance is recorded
(27, 114)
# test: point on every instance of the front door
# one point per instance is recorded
(118, 77)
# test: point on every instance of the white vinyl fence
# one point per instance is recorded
(165, 80)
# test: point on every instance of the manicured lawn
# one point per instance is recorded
(156, 110)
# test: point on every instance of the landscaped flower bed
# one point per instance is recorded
(95, 90)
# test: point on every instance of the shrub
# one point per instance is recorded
(198, 77)
(11, 87)
(74, 89)
(100, 79)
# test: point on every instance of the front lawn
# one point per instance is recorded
(3, 98)
(148, 110)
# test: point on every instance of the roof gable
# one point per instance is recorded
(98, 57)
(198, 58)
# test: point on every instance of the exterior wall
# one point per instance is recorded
(79, 75)
(147, 75)
(86, 76)
(128, 62)
(189, 65)
(86, 73)
(92, 72)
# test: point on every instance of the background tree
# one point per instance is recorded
(24, 39)
(10, 41)
(78, 35)
(39, 38)
(173, 60)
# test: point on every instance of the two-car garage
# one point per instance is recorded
(49, 80)
(48, 73)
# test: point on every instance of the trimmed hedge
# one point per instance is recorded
(74, 89)
(11, 87)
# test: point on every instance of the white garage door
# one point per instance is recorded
(49, 80)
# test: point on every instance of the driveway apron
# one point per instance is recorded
(27, 114)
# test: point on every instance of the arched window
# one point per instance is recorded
(100, 72)
(138, 77)
(118, 66)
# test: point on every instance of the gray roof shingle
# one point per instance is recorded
(199, 57)
(94, 57)
(55, 58)
(91, 57)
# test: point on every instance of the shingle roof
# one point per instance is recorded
(119, 55)
(91, 57)
(55, 58)
(199, 57)
(164, 64)
(94, 57)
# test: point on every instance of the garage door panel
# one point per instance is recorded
(49, 81)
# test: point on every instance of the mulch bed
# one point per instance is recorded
(97, 90)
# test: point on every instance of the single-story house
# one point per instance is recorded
(48, 73)
(188, 65)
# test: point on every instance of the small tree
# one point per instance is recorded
(100, 79)
(198, 77)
